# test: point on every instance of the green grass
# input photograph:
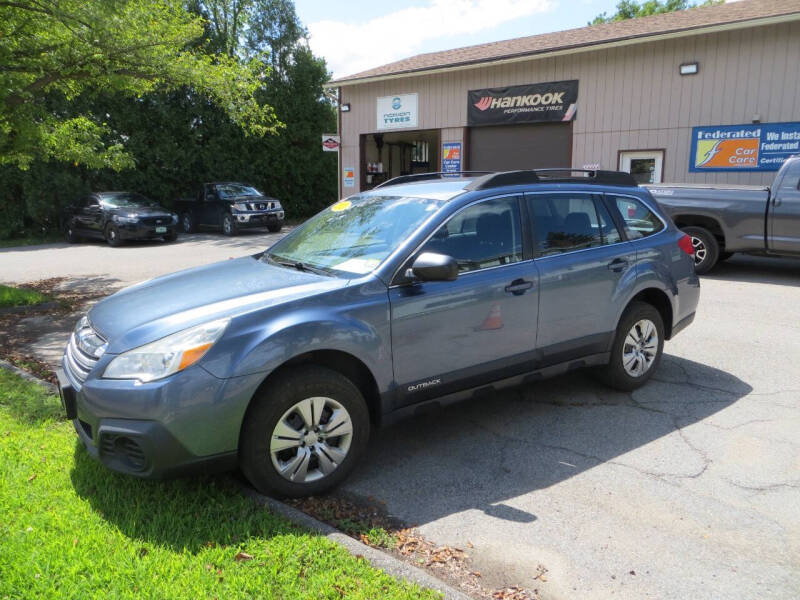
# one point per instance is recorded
(12, 296)
(71, 529)
(32, 240)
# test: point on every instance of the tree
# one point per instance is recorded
(54, 51)
(630, 9)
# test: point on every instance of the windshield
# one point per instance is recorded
(353, 236)
(232, 190)
(126, 199)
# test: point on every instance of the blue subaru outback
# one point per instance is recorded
(419, 292)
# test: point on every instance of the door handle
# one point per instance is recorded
(518, 286)
(776, 201)
(618, 265)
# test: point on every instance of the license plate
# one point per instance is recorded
(68, 401)
(161, 230)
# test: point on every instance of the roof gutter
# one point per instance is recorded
(638, 39)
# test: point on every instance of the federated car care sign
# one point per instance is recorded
(451, 157)
(752, 147)
(532, 103)
(397, 112)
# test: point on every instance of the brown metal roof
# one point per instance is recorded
(644, 27)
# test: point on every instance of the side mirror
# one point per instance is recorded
(430, 266)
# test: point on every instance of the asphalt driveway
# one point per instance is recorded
(687, 488)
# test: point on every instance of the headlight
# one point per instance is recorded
(167, 355)
(125, 218)
(240, 206)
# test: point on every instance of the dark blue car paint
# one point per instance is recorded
(419, 342)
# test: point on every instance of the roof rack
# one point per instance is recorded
(423, 176)
(558, 175)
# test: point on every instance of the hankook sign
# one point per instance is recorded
(554, 101)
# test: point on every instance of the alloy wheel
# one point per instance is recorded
(700, 250)
(640, 348)
(311, 439)
(227, 225)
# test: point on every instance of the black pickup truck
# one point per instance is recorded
(722, 220)
(229, 206)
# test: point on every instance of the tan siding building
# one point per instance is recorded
(635, 109)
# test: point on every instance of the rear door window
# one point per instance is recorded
(639, 220)
(569, 222)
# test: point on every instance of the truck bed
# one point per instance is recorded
(734, 213)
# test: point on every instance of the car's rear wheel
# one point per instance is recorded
(706, 249)
(112, 235)
(303, 433)
(187, 223)
(69, 234)
(638, 346)
(228, 225)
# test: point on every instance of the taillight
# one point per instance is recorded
(685, 244)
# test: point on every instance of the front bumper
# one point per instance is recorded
(258, 218)
(139, 231)
(182, 424)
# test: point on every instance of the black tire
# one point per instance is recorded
(112, 235)
(228, 225)
(271, 404)
(275, 226)
(69, 234)
(615, 374)
(706, 249)
(171, 236)
(724, 256)
(187, 223)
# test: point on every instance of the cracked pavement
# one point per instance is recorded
(686, 488)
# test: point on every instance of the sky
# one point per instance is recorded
(356, 35)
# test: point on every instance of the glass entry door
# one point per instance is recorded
(646, 166)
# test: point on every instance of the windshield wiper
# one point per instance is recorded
(300, 266)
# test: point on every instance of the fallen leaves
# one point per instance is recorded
(32, 477)
(242, 556)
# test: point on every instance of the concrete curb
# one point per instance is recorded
(29, 308)
(378, 559)
(4, 364)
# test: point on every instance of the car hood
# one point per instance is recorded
(159, 307)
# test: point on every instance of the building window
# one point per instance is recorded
(646, 166)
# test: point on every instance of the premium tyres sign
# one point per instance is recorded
(397, 112)
(753, 147)
(531, 103)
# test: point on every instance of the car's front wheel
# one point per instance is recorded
(112, 235)
(229, 225)
(637, 349)
(304, 432)
(274, 226)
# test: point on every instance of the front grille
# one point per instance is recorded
(84, 349)
(124, 448)
(152, 221)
